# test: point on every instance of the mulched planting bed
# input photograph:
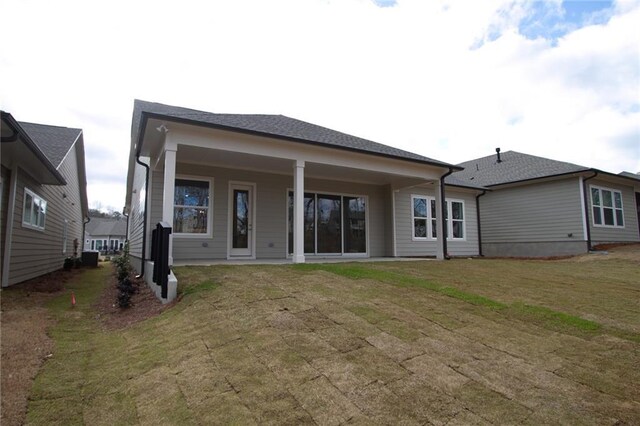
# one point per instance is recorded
(144, 305)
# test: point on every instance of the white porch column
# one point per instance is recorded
(298, 210)
(169, 188)
(439, 221)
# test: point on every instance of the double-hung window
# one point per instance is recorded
(34, 211)
(607, 207)
(424, 218)
(192, 207)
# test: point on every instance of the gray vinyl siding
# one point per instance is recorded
(388, 224)
(407, 246)
(629, 233)
(271, 211)
(137, 213)
(542, 212)
(4, 204)
(34, 252)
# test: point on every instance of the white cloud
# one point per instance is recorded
(448, 79)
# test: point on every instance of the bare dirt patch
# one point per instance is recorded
(25, 343)
(144, 305)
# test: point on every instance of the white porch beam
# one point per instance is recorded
(440, 254)
(170, 150)
(298, 209)
(276, 148)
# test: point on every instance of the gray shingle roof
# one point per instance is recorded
(630, 175)
(456, 181)
(53, 141)
(515, 167)
(106, 226)
(278, 126)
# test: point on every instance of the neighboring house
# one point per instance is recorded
(272, 187)
(543, 207)
(44, 198)
(106, 235)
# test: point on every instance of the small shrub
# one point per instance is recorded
(124, 299)
(68, 264)
(126, 286)
(123, 270)
(77, 263)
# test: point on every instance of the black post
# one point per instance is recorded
(160, 256)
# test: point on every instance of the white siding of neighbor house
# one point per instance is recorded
(406, 246)
(541, 212)
(137, 213)
(271, 213)
(34, 252)
(629, 233)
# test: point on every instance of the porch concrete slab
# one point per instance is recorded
(290, 262)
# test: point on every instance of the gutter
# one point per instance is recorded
(146, 202)
(478, 220)
(19, 132)
(586, 207)
(443, 202)
(84, 225)
(162, 116)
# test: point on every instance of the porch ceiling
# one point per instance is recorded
(235, 160)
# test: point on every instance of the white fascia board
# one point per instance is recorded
(271, 147)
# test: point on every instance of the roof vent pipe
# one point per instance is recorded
(498, 152)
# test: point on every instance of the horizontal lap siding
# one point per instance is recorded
(406, 246)
(630, 232)
(271, 211)
(4, 205)
(34, 253)
(544, 212)
(137, 212)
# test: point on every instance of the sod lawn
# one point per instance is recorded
(464, 341)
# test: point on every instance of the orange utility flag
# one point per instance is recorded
(73, 300)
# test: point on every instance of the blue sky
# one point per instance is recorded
(448, 79)
(551, 20)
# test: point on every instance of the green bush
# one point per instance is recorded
(68, 263)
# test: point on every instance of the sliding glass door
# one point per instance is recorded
(355, 232)
(328, 238)
(333, 224)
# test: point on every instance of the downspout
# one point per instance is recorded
(126, 232)
(144, 222)
(586, 208)
(84, 226)
(484, 191)
(443, 201)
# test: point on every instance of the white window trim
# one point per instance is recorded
(24, 202)
(450, 220)
(315, 226)
(601, 207)
(429, 218)
(209, 233)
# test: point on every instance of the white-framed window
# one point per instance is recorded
(607, 207)
(455, 223)
(192, 207)
(420, 218)
(424, 218)
(34, 211)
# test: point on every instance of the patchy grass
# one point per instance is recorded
(459, 342)
(205, 285)
(538, 314)
(554, 318)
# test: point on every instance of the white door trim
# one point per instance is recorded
(251, 253)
